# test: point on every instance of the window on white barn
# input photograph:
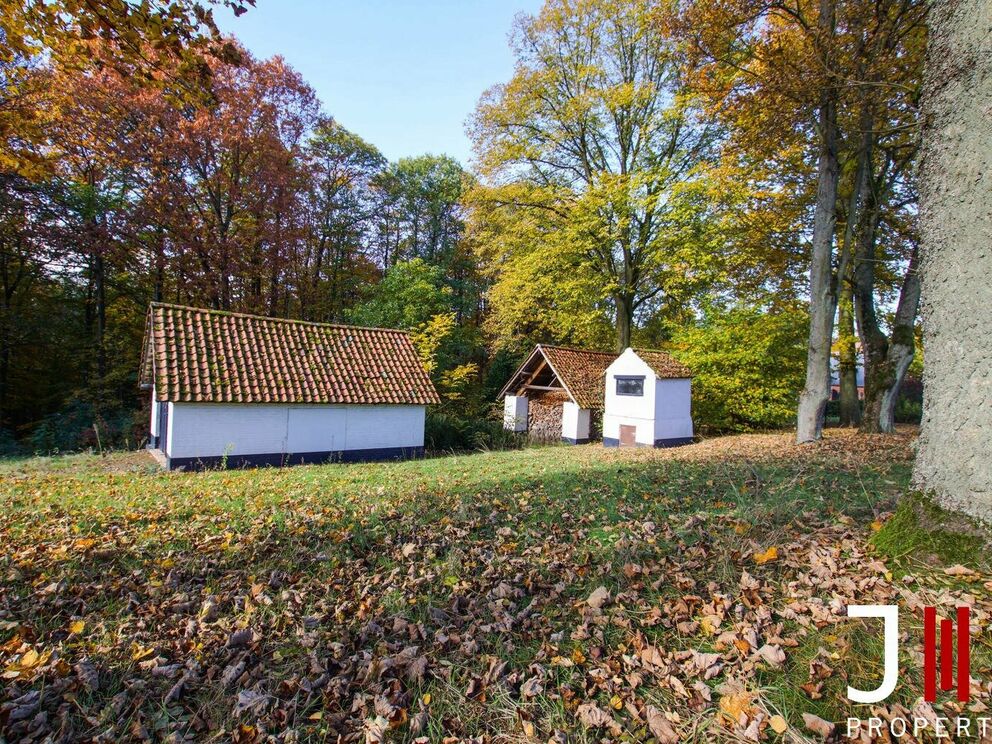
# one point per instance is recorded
(630, 386)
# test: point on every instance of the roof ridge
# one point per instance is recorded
(295, 321)
(573, 348)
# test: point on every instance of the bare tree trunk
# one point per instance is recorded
(816, 393)
(900, 357)
(100, 291)
(887, 359)
(158, 293)
(874, 343)
(625, 316)
(956, 260)
(850, 404)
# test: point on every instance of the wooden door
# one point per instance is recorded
(628, 435)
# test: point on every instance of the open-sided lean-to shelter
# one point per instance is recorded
(240, 390)
(556, 393)
(648, 401)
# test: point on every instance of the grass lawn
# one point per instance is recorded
(556, 593)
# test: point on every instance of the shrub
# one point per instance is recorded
(748, 367)
(79, 426)
(447, 431)
(9, 446)
(908, 411)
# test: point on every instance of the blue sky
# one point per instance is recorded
(402, 74)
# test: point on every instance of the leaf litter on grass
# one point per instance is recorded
(619, 600)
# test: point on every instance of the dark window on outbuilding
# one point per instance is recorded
(630, 386)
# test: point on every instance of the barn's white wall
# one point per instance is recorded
(154, 406)
(167, 449)
(574, 421)
(373, 427)
(629, 410)
(515, 413)
(215, 429)
(673, 409)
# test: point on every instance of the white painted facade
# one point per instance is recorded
(661, 415)
(153, 428)
(515, 413)
(211, 430)
(575, 423)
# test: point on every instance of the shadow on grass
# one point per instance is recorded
(162, 570)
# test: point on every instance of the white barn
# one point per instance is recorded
(648, 401)
(244, 390)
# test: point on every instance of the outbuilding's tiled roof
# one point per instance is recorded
(211, 356)
(664, 364)
(582, 371)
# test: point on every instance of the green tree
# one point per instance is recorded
(597, 143)
(410, 294)
(419, 210)
(748, 366)
(338, 207)
(413, 296)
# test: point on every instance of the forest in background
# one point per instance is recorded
(728, 180)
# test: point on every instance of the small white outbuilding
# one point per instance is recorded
(242, 390)
(648, 401)
(638, 398)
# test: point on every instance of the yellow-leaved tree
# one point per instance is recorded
(592, 208)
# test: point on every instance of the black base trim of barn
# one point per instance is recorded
(303, 458)
(674, 442)
(660, 443)
(569, 440)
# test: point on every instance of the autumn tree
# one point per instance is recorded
(166, 44)
(96, 120)
(830, 70)
(596, 140)
(233, 211)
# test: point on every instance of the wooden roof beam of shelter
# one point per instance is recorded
(533, 375)
(549, 388)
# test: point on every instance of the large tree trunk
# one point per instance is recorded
(888, 359)
(625, 318)
(816, 393)
(956, 259)
(874, 343)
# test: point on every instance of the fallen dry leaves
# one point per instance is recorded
(618, 610)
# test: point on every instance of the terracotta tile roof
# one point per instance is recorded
(218, 357)
(581, 371)
(664, 364)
